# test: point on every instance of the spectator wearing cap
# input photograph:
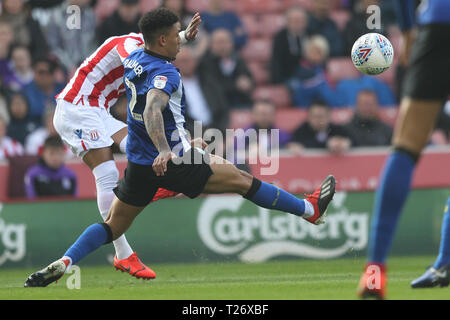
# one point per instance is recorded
(50, 177)
(319, 132)
(42, 90)
(123, 21)
(287, 48)
(216, 17)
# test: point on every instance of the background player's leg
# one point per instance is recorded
(106, 176)
(444, 248)
(227, 178)
(412, 131)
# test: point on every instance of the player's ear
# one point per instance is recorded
(162, 40)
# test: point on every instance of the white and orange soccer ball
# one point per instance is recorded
(372, 53)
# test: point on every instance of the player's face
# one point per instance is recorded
(53, 157)
(173, 40)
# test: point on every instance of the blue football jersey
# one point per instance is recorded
(428, 12)
(143, 71)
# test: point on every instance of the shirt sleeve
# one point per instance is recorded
(29, 184)
(165, 79)
(128, 45)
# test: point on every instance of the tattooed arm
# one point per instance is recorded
(154, 123)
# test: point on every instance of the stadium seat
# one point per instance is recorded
(105, 8)
(279, 95)
(252, 24)
(271, 24)
(289, 119)
(341, 115)
(259, 72)
(388, 114)
(257, 50)
(258, 6)
(147, 5)
(240, 119)
(341, 68)
(18, 167)
(340, 17)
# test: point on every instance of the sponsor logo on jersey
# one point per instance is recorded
(160, 82)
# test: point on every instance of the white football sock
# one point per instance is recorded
(309, 209)
(106, 177)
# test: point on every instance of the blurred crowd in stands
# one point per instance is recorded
(262, 64)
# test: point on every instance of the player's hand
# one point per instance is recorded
(160, 162)
(192, 29)
(198, 143)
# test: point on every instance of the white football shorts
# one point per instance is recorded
(84, 128)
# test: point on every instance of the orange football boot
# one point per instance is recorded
(134, 267)
(373, 281)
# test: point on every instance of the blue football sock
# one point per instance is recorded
(92, 238)
(271, 197)
(390, 197)
(444, 249)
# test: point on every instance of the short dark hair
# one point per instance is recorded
(53, 141)
(157, 22)
(51, 62)
(318, 101)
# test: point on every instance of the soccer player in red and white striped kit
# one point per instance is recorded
(83, 121)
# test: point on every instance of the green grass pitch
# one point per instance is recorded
(284, 280)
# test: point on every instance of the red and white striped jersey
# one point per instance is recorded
(10, 148)
(98, 82)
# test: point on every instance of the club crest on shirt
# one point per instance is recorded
(94, 135)
(160, 82)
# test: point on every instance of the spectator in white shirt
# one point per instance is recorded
(8, 147)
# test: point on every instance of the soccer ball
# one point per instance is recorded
(372, 53)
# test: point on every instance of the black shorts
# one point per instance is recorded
(428, 74)
(140, 183)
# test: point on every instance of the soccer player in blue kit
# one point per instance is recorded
(426, 87)
(160, 155)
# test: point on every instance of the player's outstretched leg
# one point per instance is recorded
(227, 178)
(439, 273)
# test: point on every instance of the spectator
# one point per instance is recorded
(224, 66)
(216, 17)
(34, 143)
(6, 40)
(319, 22)
(365, 127)
(123, 21)
(319, 132)
(50, 177)
(19, 71)
(8, 146)
(205, 97)
(27, 31)
(42, 90)
(309, 79)
(357, 25)
(200, 45)
(287, 48)
(71, 44)
(20, 125)
(347, 90)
